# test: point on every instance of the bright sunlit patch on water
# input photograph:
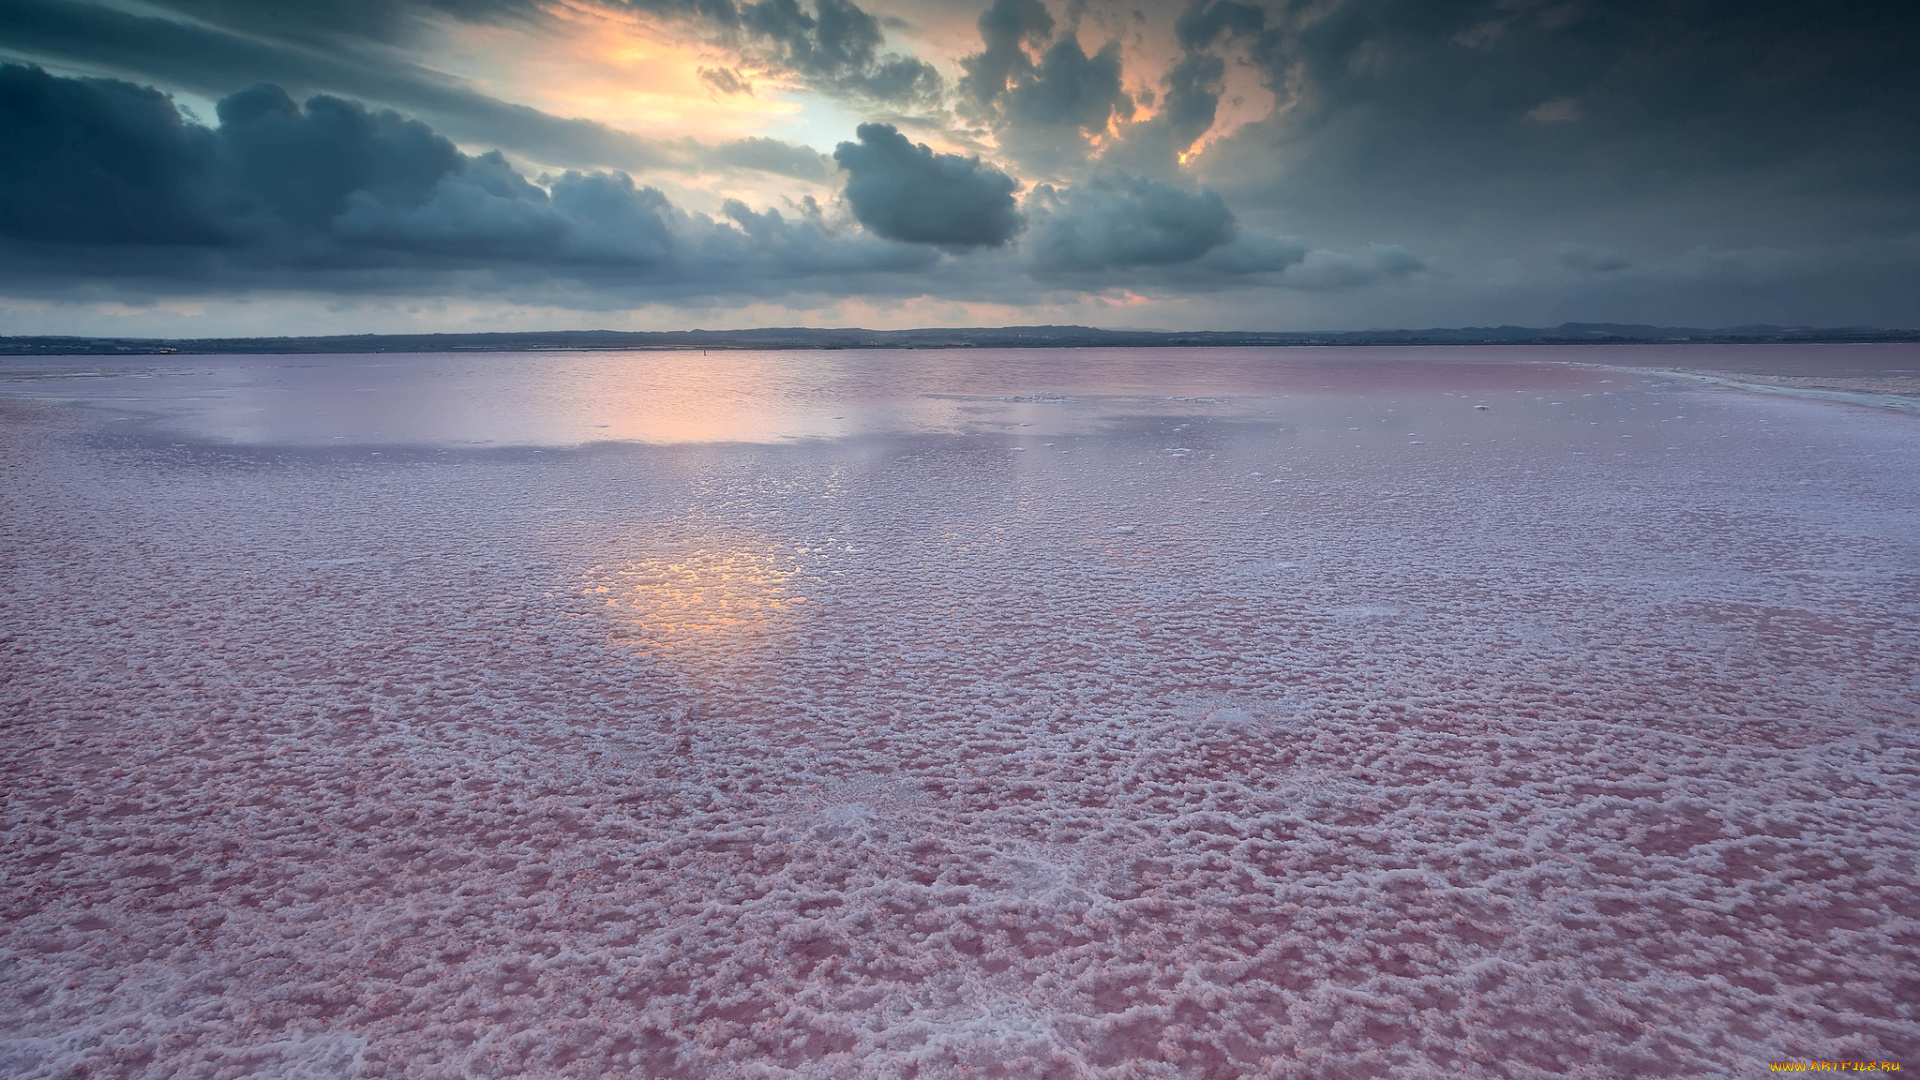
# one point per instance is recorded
(705, 601)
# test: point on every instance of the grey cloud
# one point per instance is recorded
(836, 46)
(382, 21)
(898, 80)
(1895, 261)
(97, 162)
(772, 156)
(110, 189)
(1119, 228)
(302, 165)
(1195, 82)
(629, 225)
(836, 39)
(1480, 129)
(725, 81)
(719, 12)
(1205, 22)
(1071, 90)
(1193, 88)
(1044, 111)
(106, 183)
(1005, 29)
(1590, 259)
(804, 250)
(1252, 253)
(484, 210)
(1545, 107)
(1854, 283)
(215, 62)
(1121, 221)
(907, 192)
(1323, 270)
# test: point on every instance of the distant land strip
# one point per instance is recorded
(1005, 337)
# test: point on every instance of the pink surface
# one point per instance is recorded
(1571, 736)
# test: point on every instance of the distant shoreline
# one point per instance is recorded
(1008, 337)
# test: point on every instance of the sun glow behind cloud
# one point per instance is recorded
(643, 74)
(618, 68)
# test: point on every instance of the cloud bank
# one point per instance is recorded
(109, 184)
(109, 181)
(1348, 163)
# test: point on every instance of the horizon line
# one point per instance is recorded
(1020, 336)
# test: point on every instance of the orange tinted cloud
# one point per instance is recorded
(617, 68)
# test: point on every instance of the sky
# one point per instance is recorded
(211, 167)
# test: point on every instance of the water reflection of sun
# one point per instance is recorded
(705, 600)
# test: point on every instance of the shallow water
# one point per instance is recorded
(1078, 713)
(661, 398)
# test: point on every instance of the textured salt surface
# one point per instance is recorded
(1377, 736)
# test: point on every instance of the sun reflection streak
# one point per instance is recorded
(706, 603)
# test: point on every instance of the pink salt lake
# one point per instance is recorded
(1118, 714)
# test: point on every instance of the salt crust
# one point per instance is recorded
(1542, 756)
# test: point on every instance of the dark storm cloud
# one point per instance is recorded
(215, 62)
(1043, 111)
(303, 165)
(100, 163)
(1006, 29)
(1195, 82)
(908, 192)
(1120, 221)
(1563, 159)
(1192, 97)
(1070, 91)
(1119, 229)
(104, 181)
(1412, 106)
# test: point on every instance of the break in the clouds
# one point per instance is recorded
(1221, 162)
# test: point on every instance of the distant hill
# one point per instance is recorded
(1004, 337)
